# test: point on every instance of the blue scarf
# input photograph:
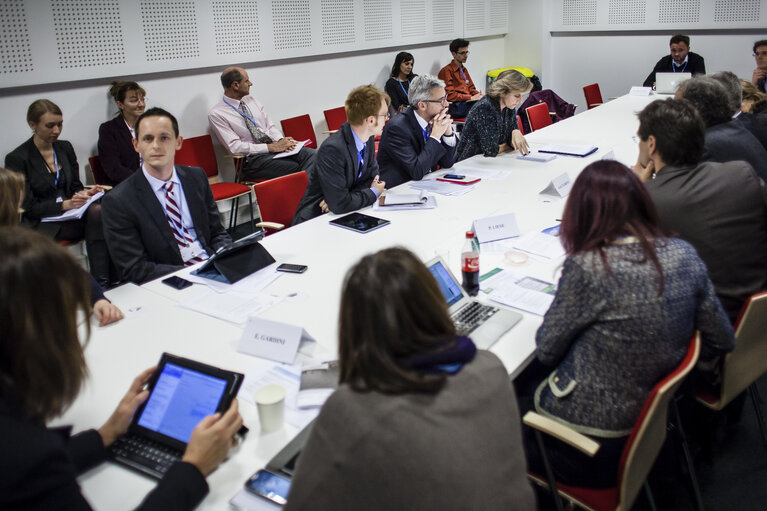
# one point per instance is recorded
(449, 360)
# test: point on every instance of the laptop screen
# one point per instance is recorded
(180, 399)
(449, 287)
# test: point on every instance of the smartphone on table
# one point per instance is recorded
(269, 486)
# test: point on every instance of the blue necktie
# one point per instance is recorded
(362, 161)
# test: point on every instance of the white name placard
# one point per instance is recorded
(494, 228)
(272, 339)
(559, 186)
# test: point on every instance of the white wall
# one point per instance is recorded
(287, 88)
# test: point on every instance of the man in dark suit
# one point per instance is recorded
(680, 60)
(163, 217)
(732, 87)
(726, 138)
(345, 173)
(720, 208)
(419, 139)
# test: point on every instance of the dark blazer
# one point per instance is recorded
(730, 141)
(39, 468)
(486, 128)
(403, 154)
(116, 153)
(721, 209)
(695, 65)
(395, 91)
(137, 232)
(334, 177)
(756, 125)
(40, 190)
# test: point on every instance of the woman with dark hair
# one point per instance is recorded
(53, 186)
(42, 369)
(421, 418)
(627, 304)
(116, 153)
(399, 81)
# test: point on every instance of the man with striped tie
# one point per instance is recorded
(164, 217)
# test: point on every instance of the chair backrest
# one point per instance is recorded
(335, 117)
(748, 361)
(519, 125)
(593, 95)
(300, 128)
(99, 176)
(538, 116)
(278, 198)
(198, 152)
(649, 431)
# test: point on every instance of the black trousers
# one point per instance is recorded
(266, 166)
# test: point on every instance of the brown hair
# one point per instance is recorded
(750, 92)
(11, 190)
(508, 82)
(364, 101)
(40, 107)
(119, 90)
(41, 291)
(391, 308)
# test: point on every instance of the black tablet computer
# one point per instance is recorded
(359, 222)
(182, 393)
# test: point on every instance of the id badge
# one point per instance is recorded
(191, 251)
(59, 199)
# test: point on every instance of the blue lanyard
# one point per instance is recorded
(425, 135)
(460, 70)
(673, 66)
(56, 166)
(244, 114)
(403, 87)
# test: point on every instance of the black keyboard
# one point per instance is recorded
(471, 316)
(145, 455)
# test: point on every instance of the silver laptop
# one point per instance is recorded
(666, 83)
(485, 324)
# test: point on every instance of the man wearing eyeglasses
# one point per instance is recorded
(458, 83)
(419, 139)
(760, 73)
(345, 173)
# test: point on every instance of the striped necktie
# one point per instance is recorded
(259, 135)
(173, 214)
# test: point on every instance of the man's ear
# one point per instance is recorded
(652, 147)
(179, 142)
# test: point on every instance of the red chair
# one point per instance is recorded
(335, 117)
(278, 200)
(198, 152)
(300, 128)
(99, 176)
(519, 125)
(538, 116)
(642, 447)
(593, 95)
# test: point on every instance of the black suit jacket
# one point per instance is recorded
(721, 210)
(137, 232)
(756, 125)
(334, 177)
(39, 468)
(695, 65)
(730, 141)
(40, 191)
(116, 153)
(403, 154)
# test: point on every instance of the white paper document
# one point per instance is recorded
(540, 244)
(406, 202)
(519, 291)
(73, 214)
(486, 171)
(441, 187)
(298, 147)
(231, 306)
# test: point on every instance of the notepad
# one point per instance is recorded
(569, 149)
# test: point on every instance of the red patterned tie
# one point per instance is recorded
(173, 214)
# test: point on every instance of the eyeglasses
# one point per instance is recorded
(462, 52)
(442, 100)
(386, 116)
(760, 53)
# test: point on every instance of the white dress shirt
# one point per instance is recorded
(423, 124)
(229, 125)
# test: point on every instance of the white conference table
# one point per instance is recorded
(155, 323)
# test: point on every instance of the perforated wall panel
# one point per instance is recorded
(443, 14)
(170, 29)
(498, 15)
(474, 15)
(291, 22)
(737, 11)
(378, 19)
(235, 24)
(679, 11)
(337, 22)
(579, 12)
(15, 52)
(412, 17)
(626, 12)
(88, 33)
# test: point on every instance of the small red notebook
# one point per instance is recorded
(460, 181)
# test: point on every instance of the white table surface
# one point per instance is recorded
(155, 323)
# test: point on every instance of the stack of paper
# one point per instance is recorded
(541, 245)
(441, 187)
(73, 214)
(519, 291)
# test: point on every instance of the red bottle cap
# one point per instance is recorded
(469, 234)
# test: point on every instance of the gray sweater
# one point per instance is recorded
(612, 338)
(458, 449)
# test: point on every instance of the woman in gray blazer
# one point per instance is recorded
(421, 419)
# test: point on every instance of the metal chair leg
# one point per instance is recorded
(549, 472)
(232, 217)
(252, 223)
(650, 498)
(754, 392)
(687, 456)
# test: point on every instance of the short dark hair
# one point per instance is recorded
(364, 101)
(40, 107)
(42, 288)
(401, 57)
(157, 112)
(457, 44)
(391, 308)
(678, 129)
(680, 38)
(762, 42)
(229, 76)
(709, 97)
(607, 201)
(731, 84)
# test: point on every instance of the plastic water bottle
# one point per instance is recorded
(470, 265)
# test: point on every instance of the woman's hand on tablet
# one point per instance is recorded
(120, 419)
(212, 438)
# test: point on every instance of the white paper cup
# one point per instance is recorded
(270, 400)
